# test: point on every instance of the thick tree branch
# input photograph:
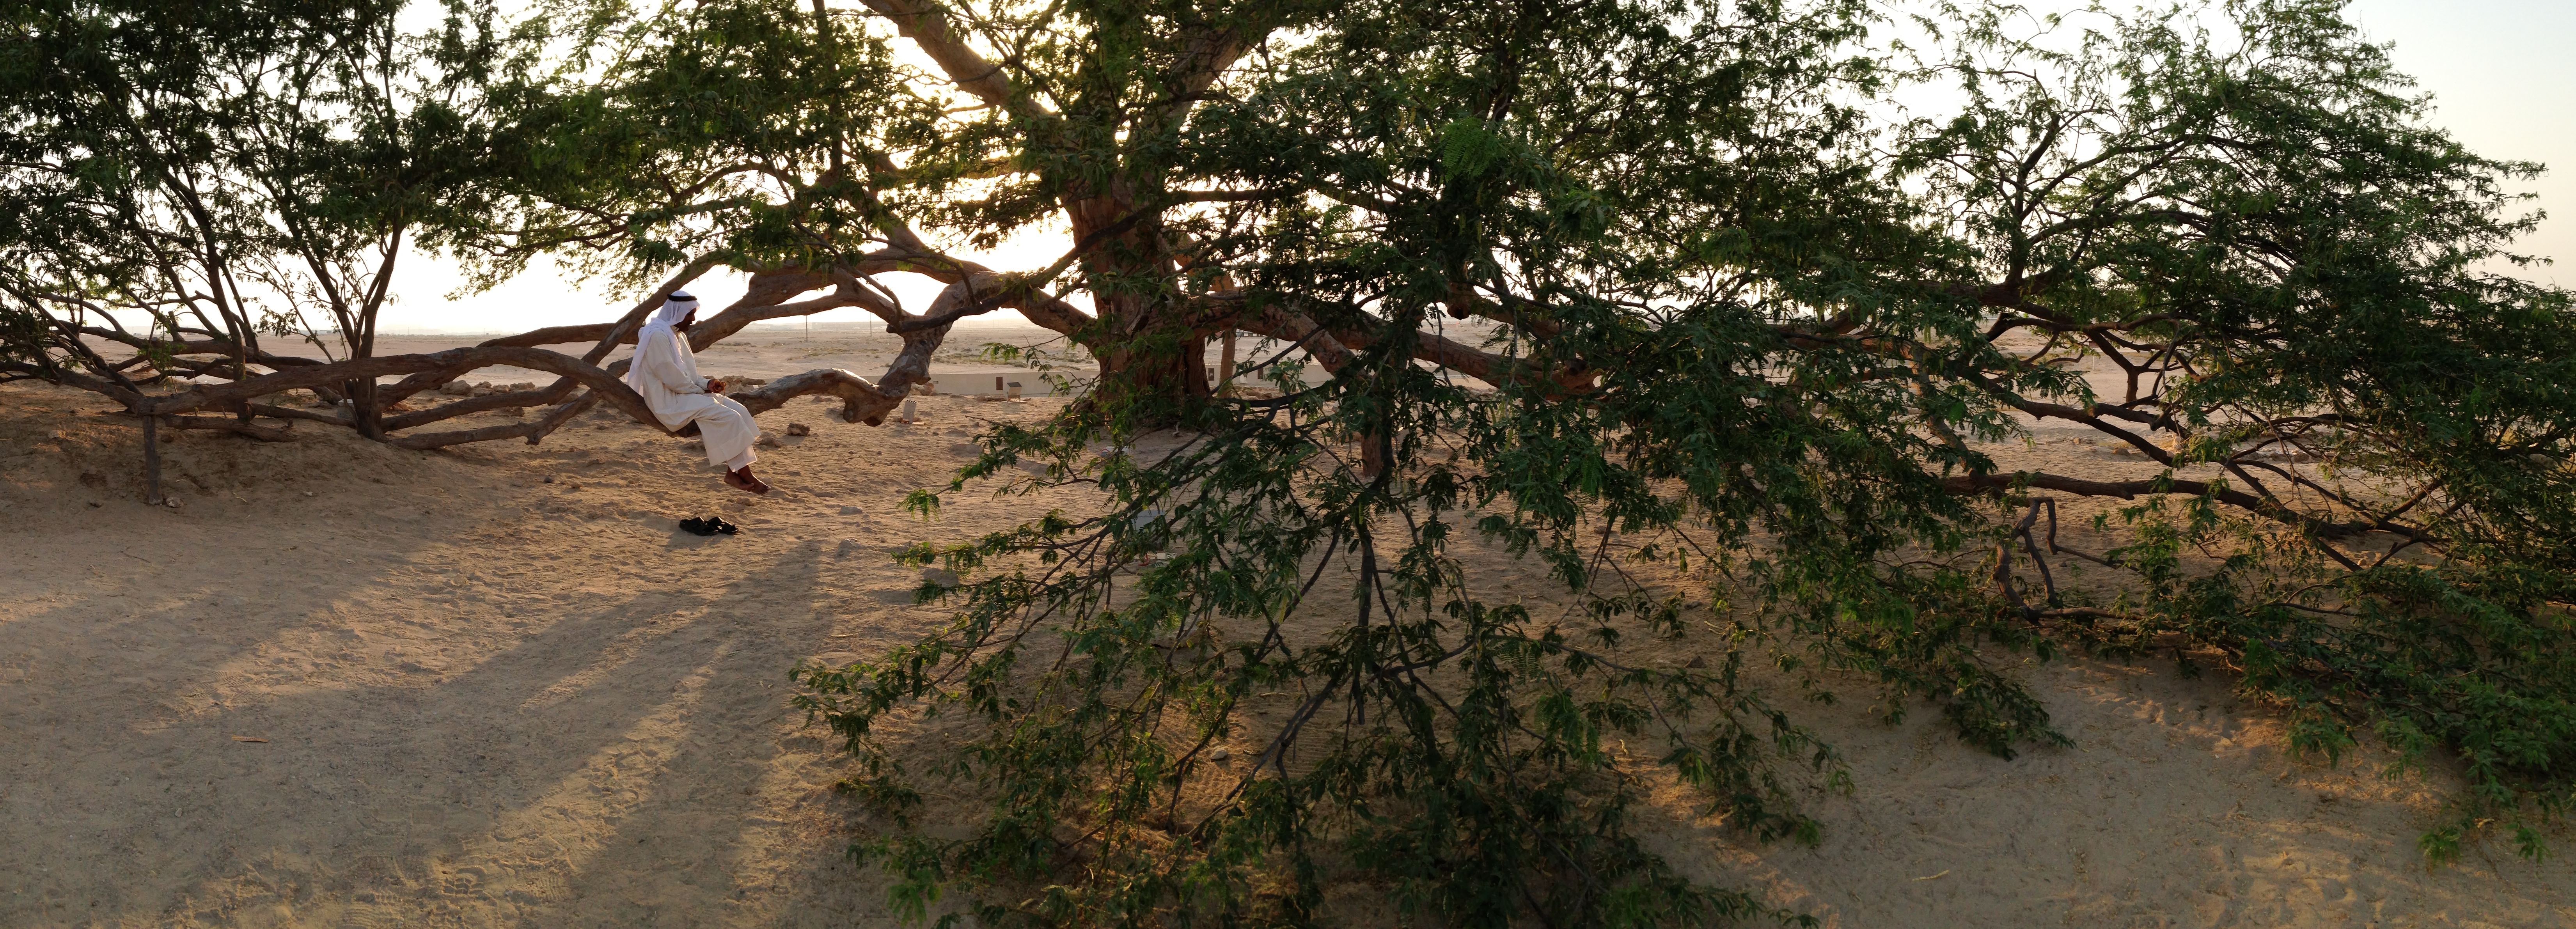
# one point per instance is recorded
(927, 25)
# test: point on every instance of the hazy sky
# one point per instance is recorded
(2502, 72)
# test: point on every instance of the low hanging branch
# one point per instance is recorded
(60, 355)
(581, 385)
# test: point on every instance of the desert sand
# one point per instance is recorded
(348, 685)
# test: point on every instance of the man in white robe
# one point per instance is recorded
(665, 371)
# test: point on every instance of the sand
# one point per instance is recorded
(347, 685)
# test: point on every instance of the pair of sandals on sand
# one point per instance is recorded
(711, 525)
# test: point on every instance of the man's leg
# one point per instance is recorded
(725, 423)
(738, 473)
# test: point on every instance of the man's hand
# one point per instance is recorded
(715, 386)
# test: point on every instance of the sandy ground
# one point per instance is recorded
(346, 685)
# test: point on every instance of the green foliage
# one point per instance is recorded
(729, 132)
(1451, 748)
(219, 173)
(2475, 658)
(2315, 260)
(1740, 355)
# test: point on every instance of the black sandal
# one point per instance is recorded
(717, 523)
(696, 526)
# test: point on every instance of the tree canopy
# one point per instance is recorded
(1670, 298)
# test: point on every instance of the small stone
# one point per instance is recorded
(522, 385)
(848, 510)
(1697, 661)
(768, 440)
(799, 429)
(1219, 754)
(456, 388)
(940, 576)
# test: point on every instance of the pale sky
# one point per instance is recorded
(2502, 73)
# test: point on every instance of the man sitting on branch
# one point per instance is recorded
(665, 371)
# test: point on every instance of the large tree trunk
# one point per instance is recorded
(1147, 344)
(1158, 357)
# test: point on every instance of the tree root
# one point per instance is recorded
(235, 426)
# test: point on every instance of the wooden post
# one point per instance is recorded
(151, 459)
(363, 412)
(1225, 363)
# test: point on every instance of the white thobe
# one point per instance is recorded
(666, 373)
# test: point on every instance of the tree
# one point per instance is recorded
(233, 177)
(1643, 291)
(1649, 291)
(2288, 265)
(222, 176)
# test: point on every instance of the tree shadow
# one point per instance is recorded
(516, 788)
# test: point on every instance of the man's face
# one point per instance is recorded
(686, 321)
